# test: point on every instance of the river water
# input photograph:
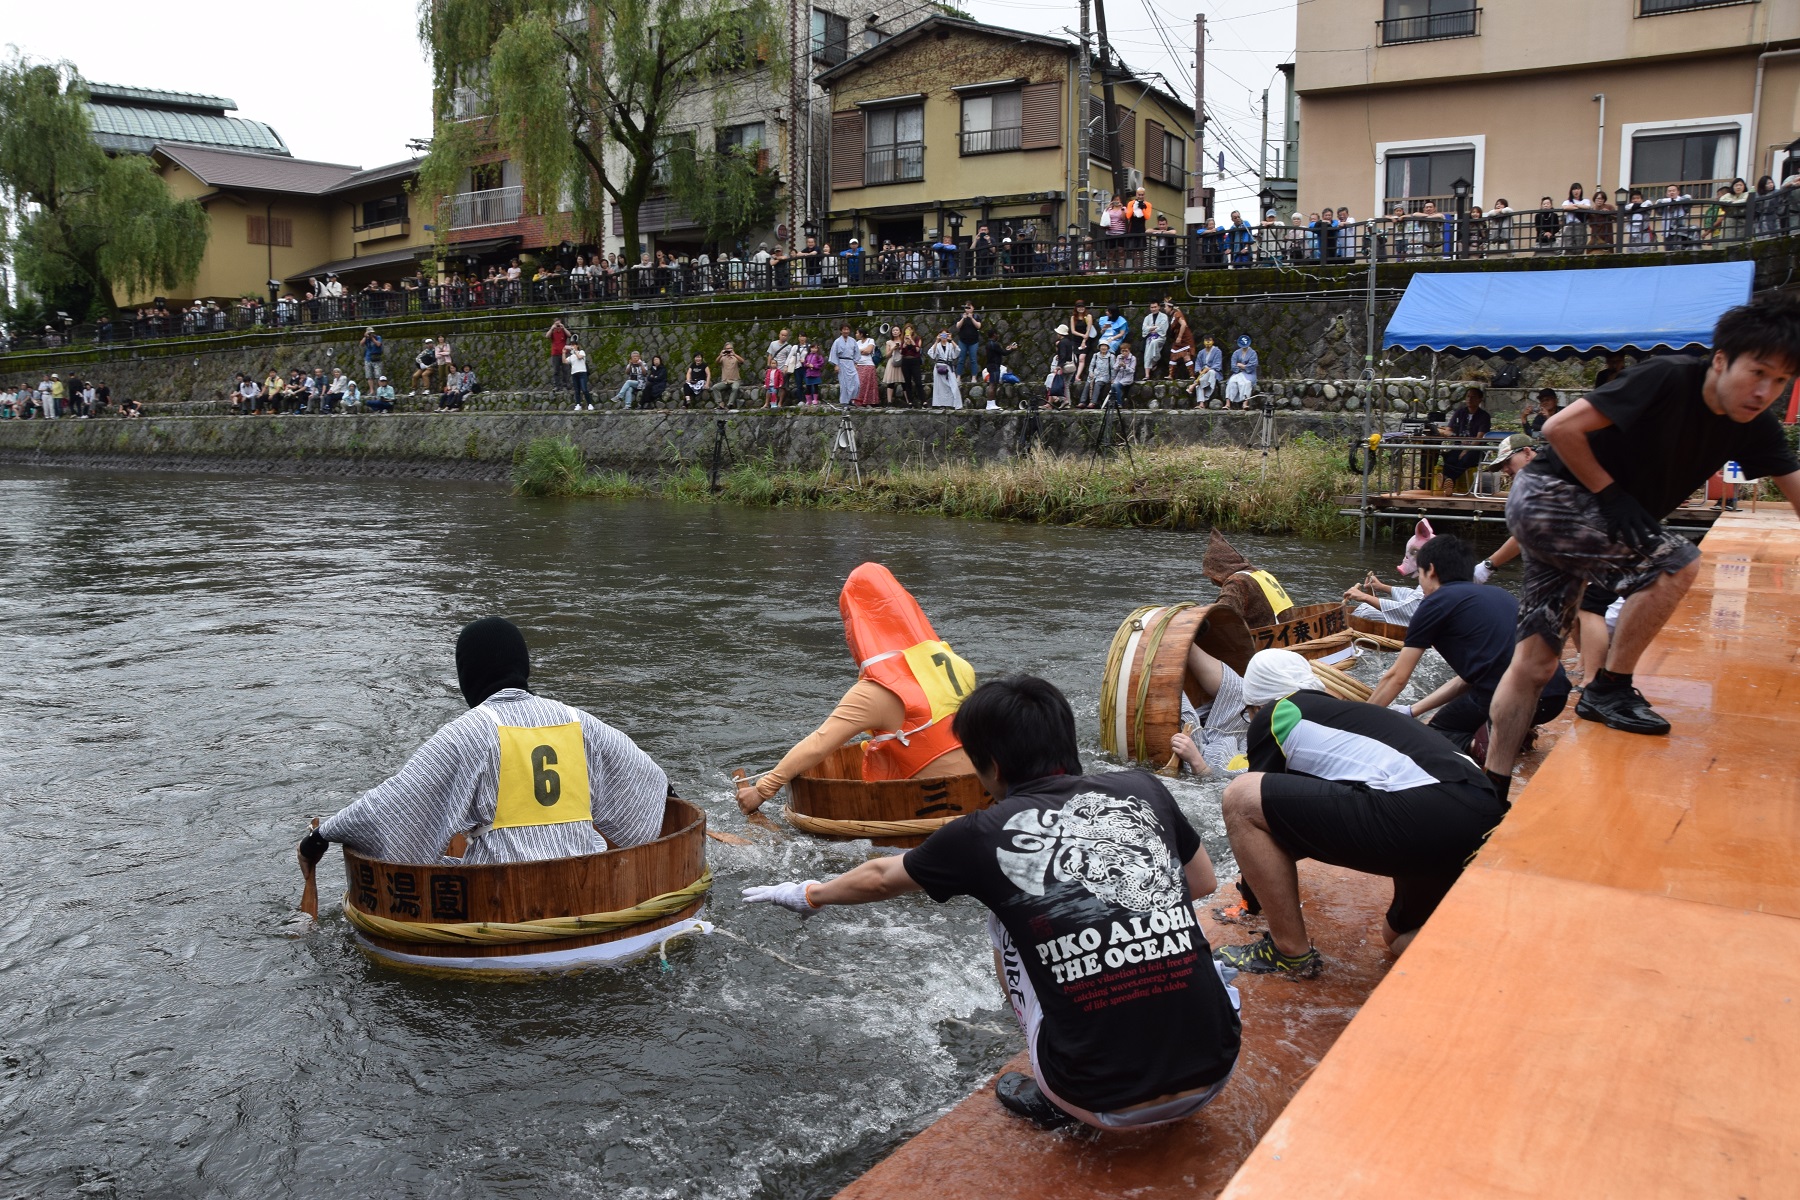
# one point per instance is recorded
(196, 665)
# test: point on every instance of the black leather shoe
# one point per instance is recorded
(1620, 708)
(1019, 1094)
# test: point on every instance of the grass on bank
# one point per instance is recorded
(1176, 487)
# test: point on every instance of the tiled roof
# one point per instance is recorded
(134, 129)
(399, 170)
(249, 171)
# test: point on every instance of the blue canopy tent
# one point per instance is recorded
(1538, 314)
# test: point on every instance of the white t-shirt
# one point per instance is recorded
(576, 357)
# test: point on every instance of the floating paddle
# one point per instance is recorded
(309, 894)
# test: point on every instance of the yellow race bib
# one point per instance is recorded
(945, 677)
(1272, 591)
(543, 776)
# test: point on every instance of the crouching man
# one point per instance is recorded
(1350, 784)
(1089, 882)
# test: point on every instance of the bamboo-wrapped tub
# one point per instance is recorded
(833, 800)
(1146, 670)
(557, 914)
(1378, 628)
(1307, 623)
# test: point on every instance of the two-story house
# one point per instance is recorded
(1401, 98)
(950, 123)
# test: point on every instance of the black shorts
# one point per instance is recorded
(1420, 838)
(1462, 718)
(1596, 599)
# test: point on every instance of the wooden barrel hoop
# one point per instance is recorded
(449, 910)
(833, 800)
(1146, 673)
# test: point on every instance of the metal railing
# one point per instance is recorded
(495, 206)
(990, 141)
(1433, 27)
(1012, 251)
(904, 163)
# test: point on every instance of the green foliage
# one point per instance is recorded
(724, 192)
(583, 97)
(555, 466)
(85, 222)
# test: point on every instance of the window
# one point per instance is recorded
(384, 211)
(1428, 20)
(895, 149)
(1412, 179)
(485, 177)
(873, 37)
(469, 95)
(1174, 160)
(1698, 162)
(990, 123)
(830, 37)
(269, 231)
(741, 137)
(1651, 8)
(670, 147)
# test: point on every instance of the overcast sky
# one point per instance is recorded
(345, 80)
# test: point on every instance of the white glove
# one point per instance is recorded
(1483, 569)
(1401, 706)
(788, 895)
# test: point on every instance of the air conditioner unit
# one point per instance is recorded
(1134, 179)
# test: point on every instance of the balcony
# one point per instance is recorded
(904, 163)
(378, 230)
(990, 141)
(1432, 27)
(495, 206)
(1655, 8)
(468, 103)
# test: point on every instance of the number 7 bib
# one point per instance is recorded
(543, 776)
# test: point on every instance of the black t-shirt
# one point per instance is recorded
(966, 333)
(1664, 442)
(1086, 875)
(1473, 626)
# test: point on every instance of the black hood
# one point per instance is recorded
(490, 656)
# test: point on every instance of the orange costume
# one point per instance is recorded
(909, 685)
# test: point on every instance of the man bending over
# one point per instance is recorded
(1471, 625)
(1350, 784)
(1589, 509)
(1090, 883)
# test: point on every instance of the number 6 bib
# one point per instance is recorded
(543, 776)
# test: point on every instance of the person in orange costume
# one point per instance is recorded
(909, 684)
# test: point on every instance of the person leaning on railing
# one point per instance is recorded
(1603, 222)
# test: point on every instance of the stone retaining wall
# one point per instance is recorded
(483, 444)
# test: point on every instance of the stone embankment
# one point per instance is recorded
(483, 444)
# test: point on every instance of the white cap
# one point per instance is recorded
(1273, 674)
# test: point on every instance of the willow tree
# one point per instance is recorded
(84, 222)
(585, 96)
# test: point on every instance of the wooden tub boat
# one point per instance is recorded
(1146, 670)
(1303, 624)
(553, 915)
(833, 800)
(1378, 628)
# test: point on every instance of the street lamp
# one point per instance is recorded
(954, 220)
(810, 227)
(1267, 198)
(1460, 189)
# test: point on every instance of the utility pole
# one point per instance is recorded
(1085, 85)
(1199, 170)
(1119, 179)
(1262, 153)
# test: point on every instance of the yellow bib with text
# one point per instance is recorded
(543, 776)
(943, 675)
(1272, 591)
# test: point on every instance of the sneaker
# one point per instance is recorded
(1020, 1094)
(1620, 708)
(1262, 958)
(590, 408)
